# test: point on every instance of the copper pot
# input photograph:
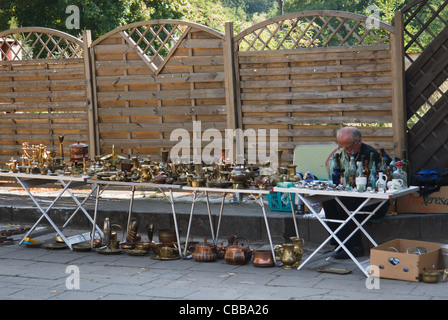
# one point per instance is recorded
(204, 252)
(79, 151)
(263, 259)
(161, 177)
(167, 235)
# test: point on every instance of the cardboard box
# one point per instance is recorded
(436, 202)
(402, 265)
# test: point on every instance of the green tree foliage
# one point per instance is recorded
(100, 16)
(213, 14)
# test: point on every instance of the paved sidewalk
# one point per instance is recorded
(44, 274)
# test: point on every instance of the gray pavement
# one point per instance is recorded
(44, 274)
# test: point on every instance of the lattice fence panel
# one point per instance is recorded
(426, 33)
(42, 90)
(153, 78)
(307, 74)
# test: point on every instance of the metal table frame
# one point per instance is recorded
(101, 185)
(370, 198)
(28, 181)
(257, 194)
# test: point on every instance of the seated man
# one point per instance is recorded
(351, 139)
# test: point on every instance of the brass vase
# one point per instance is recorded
(133, 236)
(288, 257)
(298, 249)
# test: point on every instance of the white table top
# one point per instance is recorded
(43, 176)
(134, 183)
(355, 194)
(227, 190)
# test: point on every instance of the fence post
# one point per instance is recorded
(230, 79)
(90, 87)
(398, 85)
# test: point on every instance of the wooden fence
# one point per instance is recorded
(309, 73)
(42, 90)
(426, 83)
(305, 74)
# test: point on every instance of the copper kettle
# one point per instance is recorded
(238, 254)
(204, 252)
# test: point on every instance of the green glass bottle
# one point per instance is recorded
(405, 163)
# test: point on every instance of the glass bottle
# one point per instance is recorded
(106, 232)
(360, 168)
(346, 172)
(336, 176)
(366, 171)
(405, 163)
(382, 165)
(331, 166)
(373, 174)
(393, 165)
(400, 174)
(352, 166)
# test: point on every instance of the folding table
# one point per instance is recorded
(257, 194)
(64, 183)
(101, 185)
(370, 198)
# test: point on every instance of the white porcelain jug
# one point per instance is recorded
(395, 184)
(381, 183)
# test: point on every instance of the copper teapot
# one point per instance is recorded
(238, 254)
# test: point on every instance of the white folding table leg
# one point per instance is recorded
(80, 206)
(293, 214)
(221, 209)
(359, 225)
(195, 193)
(176, 227)
(210, 218)
(261, 203)
(333, 234)
(44, 212)
(131, 204)
(95, 214)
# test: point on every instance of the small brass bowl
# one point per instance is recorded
(430, 276)
(143, 245)
(167, 235)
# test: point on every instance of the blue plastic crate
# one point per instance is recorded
(279, 201)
